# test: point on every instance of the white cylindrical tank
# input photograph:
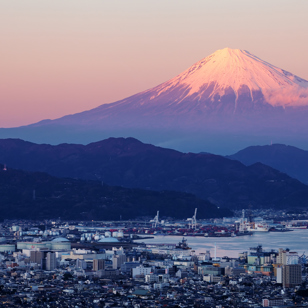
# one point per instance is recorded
(120, 234)
(107, 234)
(96, 237)
(115, 234)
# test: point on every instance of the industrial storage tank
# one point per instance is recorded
(61, 246)
(60, 243)
(107, 234)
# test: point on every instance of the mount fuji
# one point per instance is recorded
(226, 101)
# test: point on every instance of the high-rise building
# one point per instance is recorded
(98, 264)
(291, 275)
(118, 260)
(288, 271)
(279, 270)
(287, 257)
(81, 264)
(36, 256)
(51, 261)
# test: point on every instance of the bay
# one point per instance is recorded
(296, 240)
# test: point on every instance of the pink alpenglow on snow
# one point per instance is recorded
(231, 92)
(233, 68)
(229, 81)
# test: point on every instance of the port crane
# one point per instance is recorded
(192, 222)
(155, 221)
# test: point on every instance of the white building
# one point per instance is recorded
(141, 270)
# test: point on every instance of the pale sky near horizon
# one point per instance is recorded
(59, 57)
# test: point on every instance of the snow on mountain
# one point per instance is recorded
(230, 99)
(228, 81)
(234, 68)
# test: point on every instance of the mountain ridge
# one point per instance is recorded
(223, 103)
(231, 74)
(286, 158)
(133, 164)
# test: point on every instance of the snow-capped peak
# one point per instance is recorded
(234, 68)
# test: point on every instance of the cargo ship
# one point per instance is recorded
(253, 227)
(258, 227)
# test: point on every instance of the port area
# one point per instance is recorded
(143, 232)
(105, 234)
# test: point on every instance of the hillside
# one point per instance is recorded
(287, 159)
(133, 164)
(37, 195)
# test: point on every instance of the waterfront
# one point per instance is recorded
(44, 270)
(296, 240)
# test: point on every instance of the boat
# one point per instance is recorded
(182, 245)
(259, 227)
(279, 228)
(242, 233)
(253, 227)
(296, 226)
(220, 234)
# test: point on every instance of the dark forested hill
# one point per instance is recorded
(131, 163)
(38, 195)
(285, 158)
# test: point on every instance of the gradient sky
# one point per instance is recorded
(59, 57)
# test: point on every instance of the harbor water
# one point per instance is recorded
(296, 240)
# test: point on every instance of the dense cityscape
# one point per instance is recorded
(153, 154)
(57, 263)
